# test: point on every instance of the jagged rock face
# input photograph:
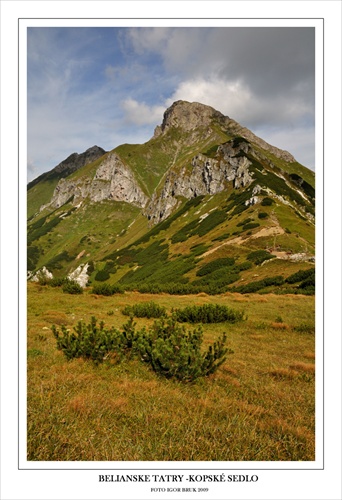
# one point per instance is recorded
(193, 115)
(70, 164)
(80, 275)
(112, 181)
(207, 176)
(188, 116)
(42, 273)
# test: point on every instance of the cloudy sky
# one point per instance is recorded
(108, 86)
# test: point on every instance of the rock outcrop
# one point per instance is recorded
(112, 181)
(193, 116)
(70, 165)
(206, 176)
(80, 275)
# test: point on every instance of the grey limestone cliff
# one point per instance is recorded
(112, 181)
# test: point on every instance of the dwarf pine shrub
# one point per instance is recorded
(72, 287)
(95, 342)
(145, 310)
(208, 313)
(259, 256)
(167, 347)
(106, 289)
(175, 353)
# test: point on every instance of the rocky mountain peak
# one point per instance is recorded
(72, 163)
(188, 116)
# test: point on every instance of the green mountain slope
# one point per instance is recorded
(205, 205)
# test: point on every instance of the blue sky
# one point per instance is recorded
(108, 86)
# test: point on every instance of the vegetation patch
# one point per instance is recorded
(300, 276)
(208, 313)
(259, 256)
(255, 286)
(167, 347)
(94, 341)
(72, 287)
(214, 265)
(33, 254)
(106, 289)
(55, 262)
(173, 352)
(145, 310)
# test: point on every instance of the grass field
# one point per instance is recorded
(258, 406)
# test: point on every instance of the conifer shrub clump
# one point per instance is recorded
(208, 313)
(72, 287)
(106, 289)
(94, 341)
(167, 347)
(145, 310)
(175, 353)
(259, 256)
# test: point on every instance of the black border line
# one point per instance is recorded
(323, 248)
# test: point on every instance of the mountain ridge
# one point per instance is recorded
(201, 182)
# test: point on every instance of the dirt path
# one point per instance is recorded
(265, 231)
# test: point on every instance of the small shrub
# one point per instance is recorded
(72, 287)
(174, 353)
(301, 276)
(262, 215)
(106, 289)
(255, 286)
(244, 266)
(102, 275)
(266, 202)
(94, 341)
(57, 282)
(251, 225)
(208, 313)
(259, 256)
(145, 310)
(215, 264)
(246, 221)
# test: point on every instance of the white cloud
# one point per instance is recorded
(140, 113)
(230, 98)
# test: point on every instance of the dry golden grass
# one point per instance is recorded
(305, 367)
(260, 404)
(279, 326)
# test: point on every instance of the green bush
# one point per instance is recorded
(266, 202)
(262, 215)
(166, 347)
(33, 254)
(215, 264)
(208, 313)
(72, 287)
(56, 282)
(54, 263)
(174, 353)
(145, 310)
(102, 275)
(246, 221)
(259, 256)
(300, 275)
(250, 225)
(106, 289)
(255, 286)
(94, 341)
(218, 280)
(243, 266)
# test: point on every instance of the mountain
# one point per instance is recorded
(204, 205)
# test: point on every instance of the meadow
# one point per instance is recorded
(258, 406)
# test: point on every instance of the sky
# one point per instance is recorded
(109, 86)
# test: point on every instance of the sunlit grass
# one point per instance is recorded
(259, 405)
